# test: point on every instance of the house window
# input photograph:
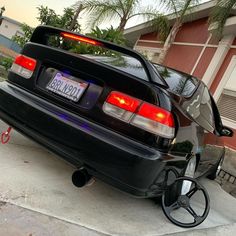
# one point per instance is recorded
(227, 100)
(227, 105)
(151, 54)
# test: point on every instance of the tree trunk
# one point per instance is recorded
(122, 25)
(168, 42)
(73, 23)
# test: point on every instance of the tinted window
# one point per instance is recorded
(124, 63)
(115, 59)
(199, 107)
(179, 83)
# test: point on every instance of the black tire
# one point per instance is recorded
(216, 169)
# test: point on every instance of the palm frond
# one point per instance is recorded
(77, 4)
(186, 12)
(131, 6)
(186, 9)
(148, 12)
(220, 14)
(101, 5)
(161, 24)
(98, 11)
(98, 16)
(122, 7)
(170, 6)
(179, 8)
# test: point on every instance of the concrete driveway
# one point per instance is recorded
(38, 198)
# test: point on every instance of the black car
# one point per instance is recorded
(115, 116)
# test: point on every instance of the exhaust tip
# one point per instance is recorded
(80, 178)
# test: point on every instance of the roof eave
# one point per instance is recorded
(12, 20)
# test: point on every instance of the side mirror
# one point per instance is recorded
(225, 131)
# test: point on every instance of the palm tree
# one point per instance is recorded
(78, 9)
(181, 9)
(219, 15)
(121, 10)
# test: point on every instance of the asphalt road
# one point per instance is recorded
(38, 198)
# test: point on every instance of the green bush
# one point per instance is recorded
(6, 62)
(3, 74)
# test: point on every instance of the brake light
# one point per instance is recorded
(81, 39)
(141, 114)
(24, 66)
(26, 62)
(123, 101)
(156, 114)
(154, 120)
(121, 106)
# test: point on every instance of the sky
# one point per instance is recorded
(25, 10)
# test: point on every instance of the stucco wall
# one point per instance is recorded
(194, 32)
(204, 62)
(191, 42)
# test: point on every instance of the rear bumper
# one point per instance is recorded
(123, 163)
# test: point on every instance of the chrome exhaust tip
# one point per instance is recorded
(81, 178)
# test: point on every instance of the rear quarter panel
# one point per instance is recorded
(195, 136)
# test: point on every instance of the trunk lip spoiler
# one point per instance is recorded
(40, 33)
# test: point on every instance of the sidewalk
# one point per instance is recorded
(18, 221)
(41, 200)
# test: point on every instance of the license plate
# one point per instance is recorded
(65, 87)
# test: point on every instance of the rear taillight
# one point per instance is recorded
(140, 114)
(154, 120)
(24, 66)
(121, 105)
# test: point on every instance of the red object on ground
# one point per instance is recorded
(5, 137)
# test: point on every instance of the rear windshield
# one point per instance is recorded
(124, 63)
(179, 83)
(115, 59)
